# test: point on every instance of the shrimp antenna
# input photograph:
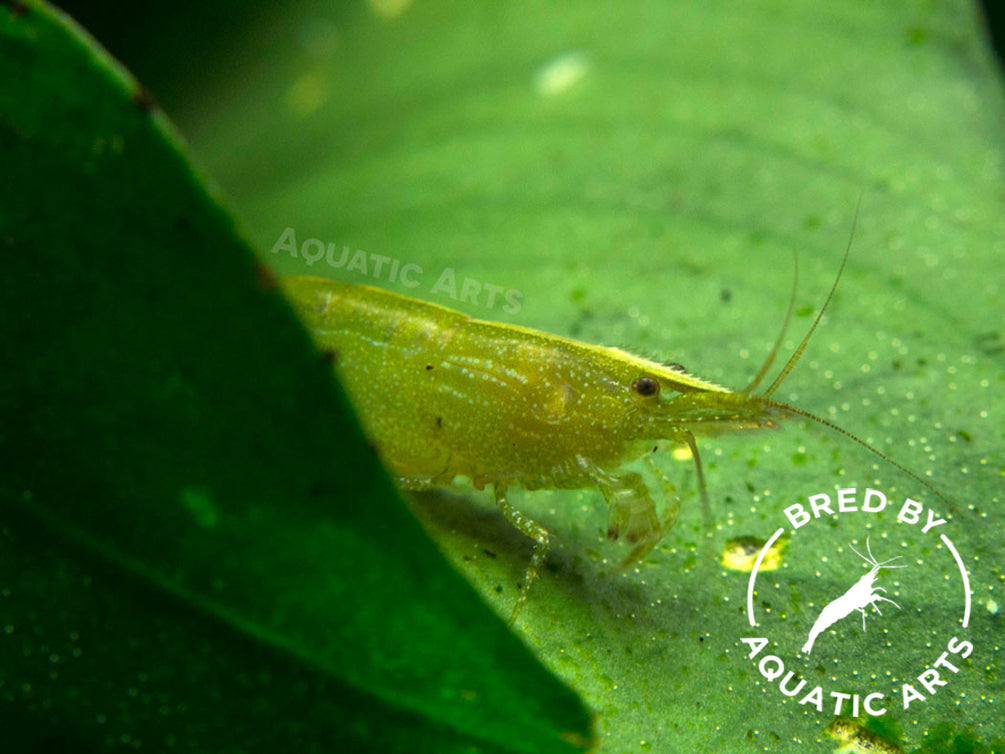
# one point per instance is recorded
(781, 335)
(884, 563)
(799, 352)
(872, 558)
(802, 346)
(863, 443)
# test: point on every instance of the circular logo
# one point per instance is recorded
(882, 621)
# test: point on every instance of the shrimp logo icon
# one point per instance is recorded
(915, 579)
(861, 595)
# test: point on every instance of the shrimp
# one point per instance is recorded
(862, 594)
(443, 395)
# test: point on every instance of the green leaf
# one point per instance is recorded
(643, 178)
(199, 549)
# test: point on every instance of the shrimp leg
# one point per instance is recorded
(632, 511)
(530, 529)
(673, 504)
(706, 508)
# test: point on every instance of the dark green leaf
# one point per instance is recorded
(199, 549)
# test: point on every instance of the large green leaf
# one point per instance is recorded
(199, 548)
(642, 176)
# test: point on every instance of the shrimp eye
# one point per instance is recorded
(646, 386)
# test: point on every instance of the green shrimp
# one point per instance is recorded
(444, 395)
